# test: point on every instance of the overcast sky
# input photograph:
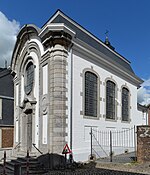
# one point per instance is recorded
(127, 22)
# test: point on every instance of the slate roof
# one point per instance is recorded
(6, 82)
(7, 95)
(83, 36)
(142, 108)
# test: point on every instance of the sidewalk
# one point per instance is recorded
(124, 162)
(126, 167)
(122, 158)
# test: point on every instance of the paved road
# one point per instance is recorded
(85, 171)
(92, 171)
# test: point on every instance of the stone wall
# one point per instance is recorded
(143, 144)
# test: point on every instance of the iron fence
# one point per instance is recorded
(112, 143)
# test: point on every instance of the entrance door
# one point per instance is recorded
(29, 132)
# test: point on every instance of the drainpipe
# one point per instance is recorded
(71, 99)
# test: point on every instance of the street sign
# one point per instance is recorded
(66, 150)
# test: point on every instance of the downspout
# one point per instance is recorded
(71, 96)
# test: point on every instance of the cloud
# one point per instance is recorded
(8, 32)
(144, 93)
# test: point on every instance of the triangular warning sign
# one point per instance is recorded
(66, 150)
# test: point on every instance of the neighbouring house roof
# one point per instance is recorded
(142, 108)
(7, 96)
(6, 82)
(4, 72)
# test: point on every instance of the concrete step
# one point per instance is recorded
(19, 165)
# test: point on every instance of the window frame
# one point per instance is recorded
(114, 118)
(128, 120)
(98, 88)
(28, 91)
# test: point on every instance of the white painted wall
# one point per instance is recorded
(45, 79)
(44, 129)
(81, 125)
(17, 95)
(17, 131)
(143, 116)
(22, 88)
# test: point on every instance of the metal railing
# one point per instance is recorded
(37, 148)
(109, 143)
(17, 145)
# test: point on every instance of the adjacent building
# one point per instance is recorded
(143, 114)
(6, 108)
(66, 81)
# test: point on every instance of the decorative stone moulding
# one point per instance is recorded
(53, 34)
(44, 105)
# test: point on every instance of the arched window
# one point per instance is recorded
(110, 100)
(29, 78)
(125, 104)
(90, 106)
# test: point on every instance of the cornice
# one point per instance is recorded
(56, 27)
(53, 34)
(99, 58)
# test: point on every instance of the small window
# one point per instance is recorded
(110, 100)
(90, 94)
(29, 78)
(125, 104)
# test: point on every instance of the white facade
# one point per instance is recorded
(61, 56)
(83, 124)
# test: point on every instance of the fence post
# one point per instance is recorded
(91, 157)
(110, 146)
(27, 165)
(4, 163)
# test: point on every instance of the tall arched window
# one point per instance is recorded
(125, 104)
(110, 100)
(90, 106)
(29, 78)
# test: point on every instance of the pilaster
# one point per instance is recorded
(57, 43)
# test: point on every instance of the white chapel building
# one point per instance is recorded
(66, 81)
